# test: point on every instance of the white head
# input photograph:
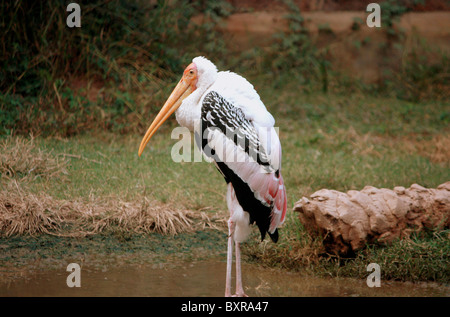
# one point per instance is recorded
(197, 77)
(206, 72)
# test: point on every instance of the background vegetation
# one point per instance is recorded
(336, 131)
(132, 50)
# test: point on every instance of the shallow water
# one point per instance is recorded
(201, 279)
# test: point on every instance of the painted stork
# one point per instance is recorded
(236, 132)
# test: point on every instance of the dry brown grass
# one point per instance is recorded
(21, 158)
(22, 212)
(436, 148)
(25, 212)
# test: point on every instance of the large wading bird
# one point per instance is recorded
(235, 131)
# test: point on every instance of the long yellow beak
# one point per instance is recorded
(181, 91)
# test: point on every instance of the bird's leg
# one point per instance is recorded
(229, 258)
(239, 288)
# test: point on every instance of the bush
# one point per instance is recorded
(128, 45)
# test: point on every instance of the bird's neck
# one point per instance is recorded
(189, 113)
(190, 110)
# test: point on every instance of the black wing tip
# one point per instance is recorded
(273, 236)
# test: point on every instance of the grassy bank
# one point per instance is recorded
(78, 189)
(94, 187)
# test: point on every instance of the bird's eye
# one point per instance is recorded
(191, 72)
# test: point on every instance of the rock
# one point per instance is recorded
(349, 221)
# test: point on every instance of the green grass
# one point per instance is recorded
(108, 164)
(424, 257)
(329, 141)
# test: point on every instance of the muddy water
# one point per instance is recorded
(201, 279)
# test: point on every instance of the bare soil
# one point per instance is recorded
(354, 52)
